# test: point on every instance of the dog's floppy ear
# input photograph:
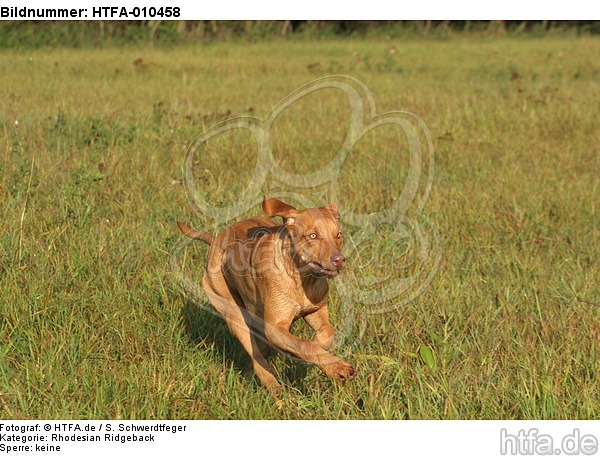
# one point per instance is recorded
(275, 208)
(332, 208)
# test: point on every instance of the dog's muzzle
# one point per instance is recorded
(338, 261)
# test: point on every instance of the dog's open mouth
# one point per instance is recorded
(321, 271)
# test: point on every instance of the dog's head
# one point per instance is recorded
(315, 234)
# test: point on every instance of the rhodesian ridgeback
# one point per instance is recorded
(261, 277)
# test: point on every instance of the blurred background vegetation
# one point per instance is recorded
(34, 34)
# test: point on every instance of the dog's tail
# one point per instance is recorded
(206, 237)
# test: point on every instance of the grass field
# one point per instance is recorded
(94, 323)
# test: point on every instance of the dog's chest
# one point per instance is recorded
(313, 298)
(306, 309)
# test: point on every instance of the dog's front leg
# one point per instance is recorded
(279, 335)
(319, 321)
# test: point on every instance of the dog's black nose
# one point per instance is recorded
(338, 261)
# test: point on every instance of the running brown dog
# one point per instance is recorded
(262, 277)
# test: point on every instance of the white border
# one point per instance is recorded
(265, 438)
(351, 10)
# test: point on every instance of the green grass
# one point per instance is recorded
(94, 323)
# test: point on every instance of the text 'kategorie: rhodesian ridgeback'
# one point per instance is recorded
(261, 277)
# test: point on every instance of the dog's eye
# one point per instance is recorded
(339, 235)
(313, 235)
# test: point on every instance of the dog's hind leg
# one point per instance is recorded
(241, 324)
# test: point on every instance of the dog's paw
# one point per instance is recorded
(340, 370)
(275, 390)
